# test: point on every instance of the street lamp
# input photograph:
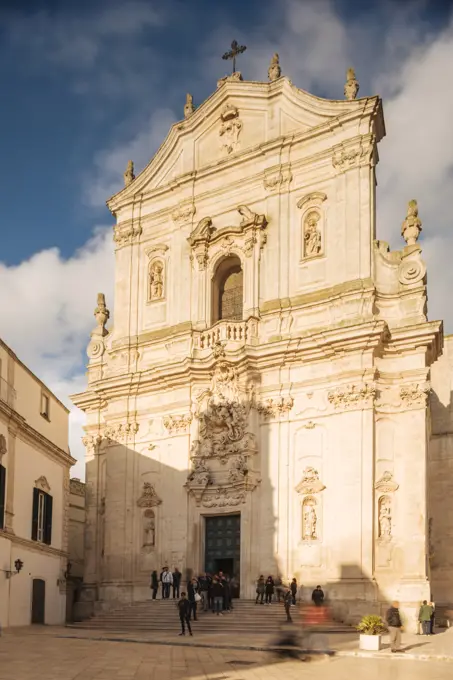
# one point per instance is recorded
(18, 564)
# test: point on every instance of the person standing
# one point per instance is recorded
(260, 586)
(433, 616)
(217, 596)
(184, 614)
(154, 584)
(395, 626)
(269, 589)
(287, 601)
(191, 592)
(279, 589)
(318, 596)
(176, 583)
(167, 580)
(226, 594)
(293, 589)
(424, 616)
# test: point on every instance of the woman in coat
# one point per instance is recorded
(154, 585)
(260, 590)
(269, 589)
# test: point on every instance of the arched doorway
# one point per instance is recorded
(38, 602)
(228, 290)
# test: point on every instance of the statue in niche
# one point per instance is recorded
(385, 518)
(156, 281)
(149, 528)
(309, 521)
(312, 235)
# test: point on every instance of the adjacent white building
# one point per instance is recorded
(261, 404)
(34, 497)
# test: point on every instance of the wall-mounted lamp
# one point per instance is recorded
(18, 564)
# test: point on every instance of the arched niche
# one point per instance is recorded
(228, 290)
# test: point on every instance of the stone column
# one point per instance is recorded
(10, 473)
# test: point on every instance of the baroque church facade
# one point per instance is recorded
(260, 403)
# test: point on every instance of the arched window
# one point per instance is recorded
(228, 290)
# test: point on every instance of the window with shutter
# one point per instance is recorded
(34, 522)
(47, 528)
(2, 495)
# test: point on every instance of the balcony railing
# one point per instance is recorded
(7, 393)
(236, 332)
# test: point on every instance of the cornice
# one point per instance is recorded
(35, 546)
(33, 437)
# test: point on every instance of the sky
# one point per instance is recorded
(88, 85)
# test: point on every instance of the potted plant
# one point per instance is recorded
(371, 628)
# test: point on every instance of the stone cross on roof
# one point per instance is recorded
(233, 53)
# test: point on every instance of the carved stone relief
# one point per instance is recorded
(2, 446)
(43, 484)
(386, 484)
(220, 467)
(149, 497)
(312, 235)
(127, 234)
(119, 432)
(277, 179)
(310, 482)
(414, 394)
(274, 408)
(230, 129)
(183, 213)
(385, 517)
(348, 156)
(177, 424)
(352, 396)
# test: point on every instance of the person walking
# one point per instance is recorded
(260, 587)
(395, 626)
(154, 584)
(269, 589)
(424, 616)
(191, 596)
(433, 616)
(293, 588)
(287, 601)
(217, 596)
(167, 580)
(184, 614)
(318, 596)
(176, 583)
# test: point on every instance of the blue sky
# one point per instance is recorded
(87, 85)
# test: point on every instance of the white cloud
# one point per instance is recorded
(46, 312)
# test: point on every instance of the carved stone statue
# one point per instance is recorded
(200, 472)
(412, 225)
(312, 235)
(230, 129)
(309, 522)
(102, 315)
(149, 528)
(351, 87)
(239, 469)
(156, 281)
(385, 518)
(189, 108)
(274, 71)
(129, 173)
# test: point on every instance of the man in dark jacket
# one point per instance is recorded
(424, 616)
(184, 614)
(176, 583)
(217, 595)
(154, 583)
(395, 626)
(318, 596)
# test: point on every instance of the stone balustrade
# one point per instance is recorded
(237, 332)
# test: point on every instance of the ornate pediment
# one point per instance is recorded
(310, 482)
(206, 239)
(386, 484)
(149, 497)
(43, 484)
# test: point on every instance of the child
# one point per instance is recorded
(184, 614)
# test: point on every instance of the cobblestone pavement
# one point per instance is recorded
(27, 657)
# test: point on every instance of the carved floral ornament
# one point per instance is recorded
(274, 408)
(183, 212)
(277, 178)
(352, 396)
(126, 234)
(205, 237)
(350, 155)
(177, 424)
(415, 394)
(118, 432)
(148, 497)
(43, 484)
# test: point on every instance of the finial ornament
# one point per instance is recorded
(274, 71)
(129, 174)
(412, 225)
(102, 315)
(351, 87)
(189, 108)
(233, 53)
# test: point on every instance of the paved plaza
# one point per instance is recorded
(49, 656)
